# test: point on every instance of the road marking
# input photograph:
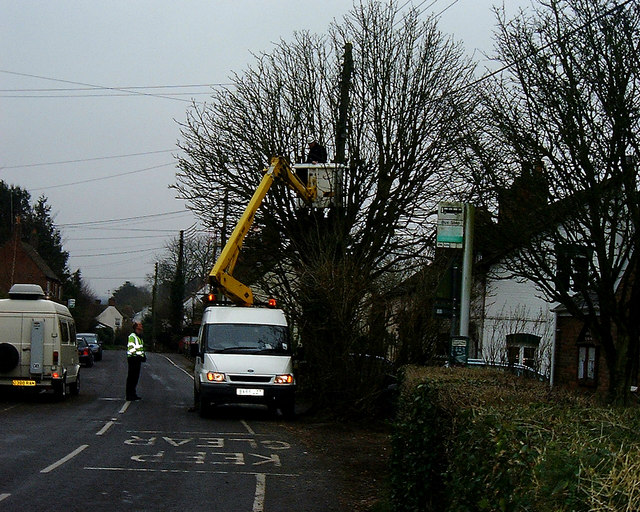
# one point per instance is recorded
(246, 425)
(258, 500)
(106, 427)
(202, 471)
(124, 407)
(64, 459)
(4, 496)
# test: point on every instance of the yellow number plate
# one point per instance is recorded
(24, 382)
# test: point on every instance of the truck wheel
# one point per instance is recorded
(9, 357)
(288, 409)
(196, 398)
(204, 407)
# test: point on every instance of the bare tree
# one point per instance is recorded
(568, 99)
(401, 140)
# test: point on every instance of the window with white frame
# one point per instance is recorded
(588, 354)
(522, 348)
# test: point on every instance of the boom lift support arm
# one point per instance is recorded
(221, 274)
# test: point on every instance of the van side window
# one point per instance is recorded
(72, 332)
(64, 332)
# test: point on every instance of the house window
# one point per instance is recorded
(588, 355)
(573, 262)
(522, 349)
(117, 322)
(587, 364)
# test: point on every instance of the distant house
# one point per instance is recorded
(21, 263)
(111, 317)
(512, 319)
(517, 323)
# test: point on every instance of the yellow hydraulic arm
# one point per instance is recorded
(221, 274)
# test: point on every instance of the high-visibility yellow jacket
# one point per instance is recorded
(135, 345)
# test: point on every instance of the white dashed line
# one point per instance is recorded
(261, 485)
(75, 452)
(106, 427)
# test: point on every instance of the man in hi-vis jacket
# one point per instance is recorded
(135, 358)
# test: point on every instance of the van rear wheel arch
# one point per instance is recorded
(9, 357)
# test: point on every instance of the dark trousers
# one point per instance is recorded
(133, 375)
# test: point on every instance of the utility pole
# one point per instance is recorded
(343, 105)
(177, 290)
(154, 299)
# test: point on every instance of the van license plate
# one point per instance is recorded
(249, 392)
(24, 382)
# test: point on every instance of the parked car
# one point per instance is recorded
(95, 347)
(94, 343)
(85, 355)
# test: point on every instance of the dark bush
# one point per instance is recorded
(482, 440)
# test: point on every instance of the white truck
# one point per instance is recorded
(37, 343)
(244, 357)
(244, 351)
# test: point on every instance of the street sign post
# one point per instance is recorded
(459, 350)
(450, 229)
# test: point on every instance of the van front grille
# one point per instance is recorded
(250, 378)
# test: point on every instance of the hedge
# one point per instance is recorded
(475, 439)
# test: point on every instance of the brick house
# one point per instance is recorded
(21, 263)
(579, 363)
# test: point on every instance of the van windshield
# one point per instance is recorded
(246, 338)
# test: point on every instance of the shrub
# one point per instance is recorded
(469, 439)
(417, 452)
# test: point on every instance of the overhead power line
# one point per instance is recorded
(102, 178)
(93, 86)
(99, 95)
(128, 87)
(23, 166)
(124, 219)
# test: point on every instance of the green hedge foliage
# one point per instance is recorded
(480, 440)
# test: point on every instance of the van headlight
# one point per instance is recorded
(215, 377)
(286, 378)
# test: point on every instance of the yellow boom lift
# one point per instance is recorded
(320, 190)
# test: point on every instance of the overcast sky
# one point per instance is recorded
(105, 158)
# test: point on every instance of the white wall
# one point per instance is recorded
(511, 306)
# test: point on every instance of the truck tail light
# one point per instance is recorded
(55, 357)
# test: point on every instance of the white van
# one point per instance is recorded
(244, 356)
(37, 343)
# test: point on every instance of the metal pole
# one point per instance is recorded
(467, 264)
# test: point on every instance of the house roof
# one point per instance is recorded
(39, 261)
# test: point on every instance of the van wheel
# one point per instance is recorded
(288, 409)
(204, 408)
(60, 389)
(74, 387)
(9, 357)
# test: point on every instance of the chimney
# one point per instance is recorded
(112, 301)
(528, 194)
